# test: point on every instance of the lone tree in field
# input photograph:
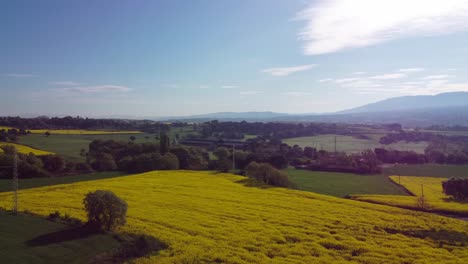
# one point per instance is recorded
(105, 210)
(47, 133)
(457, 188)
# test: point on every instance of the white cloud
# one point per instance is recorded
(94, 89)
(228, 86)
(433, 77)
(358, 73)
(347, 80)
(250, 92)
(388, 76)
(284, 71)
(295, 93)
(325, 80)
(335, 25)
(18, 75)
(411, 70)
(204, 86)
(66, 83)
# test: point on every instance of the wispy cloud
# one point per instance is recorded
(170, 85)
(284, 71)
(19, 75)
(204, 86)
(228, 86)
(411, 70)
(65, 83)
(358, 73)
(433, 77)
(338, 25)
(325, 80)
(389, 76)
(296, 93)
(94, 89)
(250, 92)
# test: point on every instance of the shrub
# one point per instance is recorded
(222, 165)
(266, 173)
(457, 188)
(105, 210)
(104, 162)
(168, 161)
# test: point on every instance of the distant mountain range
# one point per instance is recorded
(411, 111)
(443, 100)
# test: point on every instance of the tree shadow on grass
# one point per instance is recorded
(450, 237)
(69, 234)
(453, 200)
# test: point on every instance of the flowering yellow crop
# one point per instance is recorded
(26, 150)
(213, 218)
(435, 199)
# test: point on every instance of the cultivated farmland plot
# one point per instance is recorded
(214, 218)
(430, 187)
(25, 149)
(350, 144)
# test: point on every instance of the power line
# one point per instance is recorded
(15, 182)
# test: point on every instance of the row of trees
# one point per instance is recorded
(237, 130)
(32, 166)
(11, 134)
(133, 157)
(69, 122)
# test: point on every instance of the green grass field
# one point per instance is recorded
(343, 184)
(351, 144)
(16, 231)
(206, 217)
(69, 146)
(429, 170)
(5, 184)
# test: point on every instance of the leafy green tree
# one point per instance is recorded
(222, 153)
(266, 173)
(53, 163)
(457, 188)
(104, 162)
(105, 210)
(168, 161)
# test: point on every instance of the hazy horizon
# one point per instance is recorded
(177, 58)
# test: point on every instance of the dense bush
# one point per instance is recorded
(105, 210)
(266, 173)
(457, 188)
(104, 162)
(223, 165)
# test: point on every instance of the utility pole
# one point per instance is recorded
(422, 191)
(335, 144)
(15, 182)
(233, 158)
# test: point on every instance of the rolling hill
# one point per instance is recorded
(206, 217)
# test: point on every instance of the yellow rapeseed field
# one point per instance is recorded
(80, 132)
(5, 127)
(435, 199)
(214, 218)
(26, 150)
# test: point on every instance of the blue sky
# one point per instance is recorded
(168, 58)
